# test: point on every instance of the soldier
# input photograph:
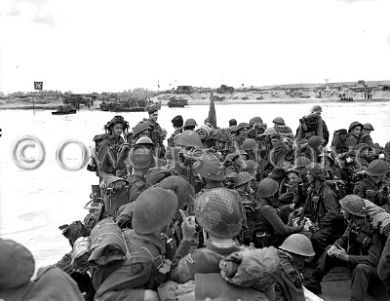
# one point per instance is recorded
(359, 247)
(312, 125)
(365, 136)
(17, 266)
(384, 264)
(339, 144)
(140, 130)
(321, 208)
(314, 149)
(375, 186)
(156, 133)
(145, 266)
(109, 148)
(250, 147)
(220, 217)
(353, 135)
(292, 253)
(281, 127)
(242, 133)
(177, 123)
(271, 227)
(190, 124)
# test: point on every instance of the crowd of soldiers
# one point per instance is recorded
(246, 212)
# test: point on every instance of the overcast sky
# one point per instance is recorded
(108, 45)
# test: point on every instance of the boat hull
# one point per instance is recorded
(64, 113)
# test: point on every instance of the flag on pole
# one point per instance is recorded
(212, 118)
(38, 85)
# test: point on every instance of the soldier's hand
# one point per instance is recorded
(188, 226)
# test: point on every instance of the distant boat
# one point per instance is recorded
(175, 102)
(65, 110)
(216, 97)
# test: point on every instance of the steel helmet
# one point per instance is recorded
(219, 213)
(279, 121)
(249, 144)
(154, 209)
(190, 122)
(188, 138)
(267, 188)
(141, 158)
(354, 205)
(314, 142)
(181, 187)
(255, 120)
(144, 141)
(242, 178)
(377, 168)
(316, 109)
(270, 131)
(298, 244)
(17, 264)
(302, 162)
(368, 126)
(242, 125)
(353, 125)
(210, 168)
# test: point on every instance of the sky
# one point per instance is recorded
(115, 45)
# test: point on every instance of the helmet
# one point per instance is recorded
(277, 173)
(154, 209)
(377, 168)
(353, 125)
(17, 264)
(354, 205)
(314, 142)
(141, 158)
(267, 188)
(210, 168)
(317, 171)
(177, 121)
(255, 120)
(139, 128)
(302, 162)
(219, 213)
(144, 141)
(316, 109)
(188, 138)
(242, 125)
(270, 131)
(249, 144)
(242, 178)
(156, 175)
(184, 191)
(368, 126)
(279, 121)
(190, 122)
(298, 244)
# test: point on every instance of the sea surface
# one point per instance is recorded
(34, 203)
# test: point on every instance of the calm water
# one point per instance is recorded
(34, 203)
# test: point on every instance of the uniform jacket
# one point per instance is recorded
(384, 264)
(321, 206)
(362, 244)
(368, 189)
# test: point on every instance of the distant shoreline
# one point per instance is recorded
(194, 102)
